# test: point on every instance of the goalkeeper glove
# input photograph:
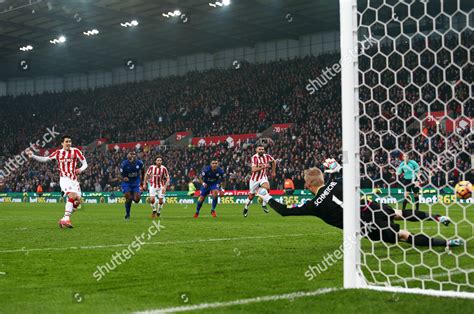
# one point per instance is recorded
(264, 195)
(332, 165)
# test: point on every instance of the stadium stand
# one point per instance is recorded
(221, 102)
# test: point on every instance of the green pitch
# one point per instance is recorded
(191, 262)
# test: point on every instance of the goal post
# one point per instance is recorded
(406, 90)
(350, 108)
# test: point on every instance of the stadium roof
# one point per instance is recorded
(207, 29)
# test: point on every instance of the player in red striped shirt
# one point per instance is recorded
(67, 164)
(260, 163)
(158, 179)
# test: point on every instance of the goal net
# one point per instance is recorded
(407, 89)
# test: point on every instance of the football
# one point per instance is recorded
(463, 189)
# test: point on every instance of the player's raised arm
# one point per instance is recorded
(40, 158)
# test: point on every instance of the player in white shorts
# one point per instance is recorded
(67, 164)
(158, 179)
(260, 163)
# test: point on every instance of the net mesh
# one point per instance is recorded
(415, 99)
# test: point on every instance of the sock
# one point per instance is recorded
(128, 206)
(153, 206)
(160, 206)
(69, 208)
(405, 204)
(417, 202)
(247, 203)
(422, 240)
(214, 204)
(264, 203)
(412, 215)
(198, 207)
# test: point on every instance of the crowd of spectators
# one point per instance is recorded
(249, 100)
(401, 94)
(214, 102)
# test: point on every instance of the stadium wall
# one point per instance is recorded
(313, 44)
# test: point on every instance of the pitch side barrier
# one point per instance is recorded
(388, 196)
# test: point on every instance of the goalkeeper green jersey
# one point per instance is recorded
(409, 169)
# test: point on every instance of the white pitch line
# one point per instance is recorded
(203, 306)
(24, 249)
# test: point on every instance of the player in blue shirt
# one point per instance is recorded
(410, 169)
(132, 172)
(211, 178)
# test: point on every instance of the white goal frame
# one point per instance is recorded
(353, 275)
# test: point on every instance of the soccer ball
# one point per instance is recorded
(463, 189)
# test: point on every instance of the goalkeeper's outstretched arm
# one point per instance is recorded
(284, 210)
(314, 180)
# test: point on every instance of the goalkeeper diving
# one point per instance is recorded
(377, 220)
